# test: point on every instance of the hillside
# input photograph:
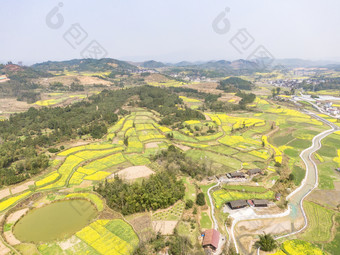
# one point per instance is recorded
(16, 72)
(233, 84)
(152, 64)
(85, 65)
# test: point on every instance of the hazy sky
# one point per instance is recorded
(169, 31)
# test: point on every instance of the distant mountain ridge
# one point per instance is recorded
(89, 65)
(220, 67)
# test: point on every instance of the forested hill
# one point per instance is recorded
(24, 134)
(233, 84)
(85, 65)
(22, 73)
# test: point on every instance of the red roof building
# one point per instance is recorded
(211, 239)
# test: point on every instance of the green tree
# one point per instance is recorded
(200, 200)
(266, 242)
(189, 204)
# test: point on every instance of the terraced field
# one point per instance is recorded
(320, 223)
(224, 142)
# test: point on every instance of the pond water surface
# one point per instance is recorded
(58, 220)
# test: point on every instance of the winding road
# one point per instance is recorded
(296, 198)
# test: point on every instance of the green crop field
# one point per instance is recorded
(223, 196)
(173, 213)
(333, 247)
(256, 189)
(319, 223)
(205, 221)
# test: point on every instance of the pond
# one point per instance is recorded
(58, 220)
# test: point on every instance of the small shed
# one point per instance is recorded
(254, 171)
(260, 203)
(237, 204)
(211, 239)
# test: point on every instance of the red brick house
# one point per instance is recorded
(211, 238)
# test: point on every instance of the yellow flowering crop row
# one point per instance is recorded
(128, 124)
(337, 159)
(48, 179)
(102, 163)
(94, 198)
(65, 170)
(103, 240)
(86, 147)
(278, 153)
(12, 200)
(77, 178)
(290, 112)
(117, 126)
(137, 160)
(189, 100)
(164, 129)
(192, 122)
(261, 154)
(100, 175)
(88, 154)
(134, 145)
(140, 127)
(299, 247)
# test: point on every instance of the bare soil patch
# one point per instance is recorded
(11, 105)
(165, 227)
(152, 145)
(10, 238)
(69, 243)
(134, 172)
(156, 78)
(271, 209)
(21, 187)
(67, 80)
(4, 249)
(182, 147)
(273, 226)
(142, 224)
(207, 87)
(4, 193)
(14, 217)
(326, 197)
(231, 98)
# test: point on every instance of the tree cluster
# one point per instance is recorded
(159, 191)
(234, 84)
(176, 161)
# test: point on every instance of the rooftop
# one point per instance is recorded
(211, 237)
(238, 203)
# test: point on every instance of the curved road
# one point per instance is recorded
(309, 183)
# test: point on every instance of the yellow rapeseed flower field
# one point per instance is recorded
(12, 200)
